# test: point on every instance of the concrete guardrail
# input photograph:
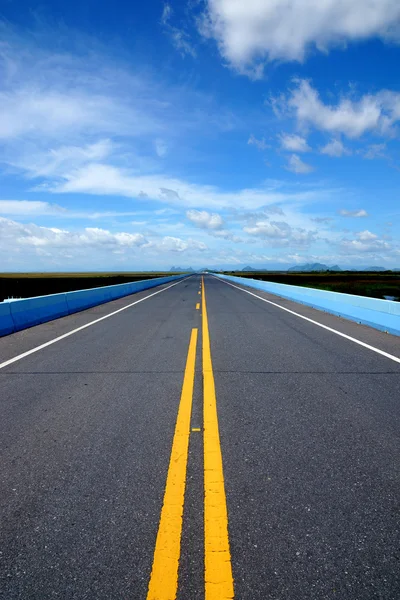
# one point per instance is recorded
(27, 312)
(381, 314)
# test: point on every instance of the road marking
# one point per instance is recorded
(218, 569)
(196, 429)
(198, 306)
(163, 583)
(292, 312)
(199, 292)
(65, 335)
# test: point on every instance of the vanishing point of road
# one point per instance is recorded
(200, 441)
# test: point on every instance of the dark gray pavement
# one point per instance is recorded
(310, 430)
(310, 441)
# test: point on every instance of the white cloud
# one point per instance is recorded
(296, 165)
(174, 244)
(166, 14)
(204, 219)
(29, 207)
(280, 233)
(105, 179)
(97, 105)
(178, 36)
(54, 243)
(213, 224)
(32, 235)
(260, 144)
(374, 151)
(366, 236)
(353, 213)
(294, 143)
(55, 161)
(322, 220)
(365, 241)
(251, 32)
(335, 148)
(377, 113)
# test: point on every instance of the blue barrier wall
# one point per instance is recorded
(32, 311)
(20, 314)
(6, 322)
(381, 314)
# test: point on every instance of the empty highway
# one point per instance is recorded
(200, 441)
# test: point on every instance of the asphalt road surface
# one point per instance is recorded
(200, 443)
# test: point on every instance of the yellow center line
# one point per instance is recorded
(164, 575)
(218, 569)
(198, 306)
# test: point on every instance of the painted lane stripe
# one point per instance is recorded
(198, 306)
(292, 312)
(65, 335)
(217, 556)
(163, 583)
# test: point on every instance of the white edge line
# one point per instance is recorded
(348, 337)
(65, 335)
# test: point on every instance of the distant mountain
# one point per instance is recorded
(374, 269)
(309, 267)
(248, 269)
(181, 270)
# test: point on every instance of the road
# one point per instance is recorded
(199, 442)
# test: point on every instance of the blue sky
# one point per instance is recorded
(218, 133)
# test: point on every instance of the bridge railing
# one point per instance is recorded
(381, 314)
(27, 312)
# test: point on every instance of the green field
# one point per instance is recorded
(372, 284)
(27, 285)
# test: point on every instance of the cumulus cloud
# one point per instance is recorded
(252, 32)
(204, 219)
(56, 243)
(353, 213)
(364, 241)
(174, 244)
(213, 223)
(296, 165)
(31, 235)
(371, 113)
(335, 148)
(280, 233)
(294, 143)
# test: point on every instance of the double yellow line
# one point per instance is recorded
(218, 570)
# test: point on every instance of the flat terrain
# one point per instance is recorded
(309, 434)
(373, 284)
(28, 285)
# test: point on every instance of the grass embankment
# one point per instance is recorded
(28, 285)
(371, 284)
